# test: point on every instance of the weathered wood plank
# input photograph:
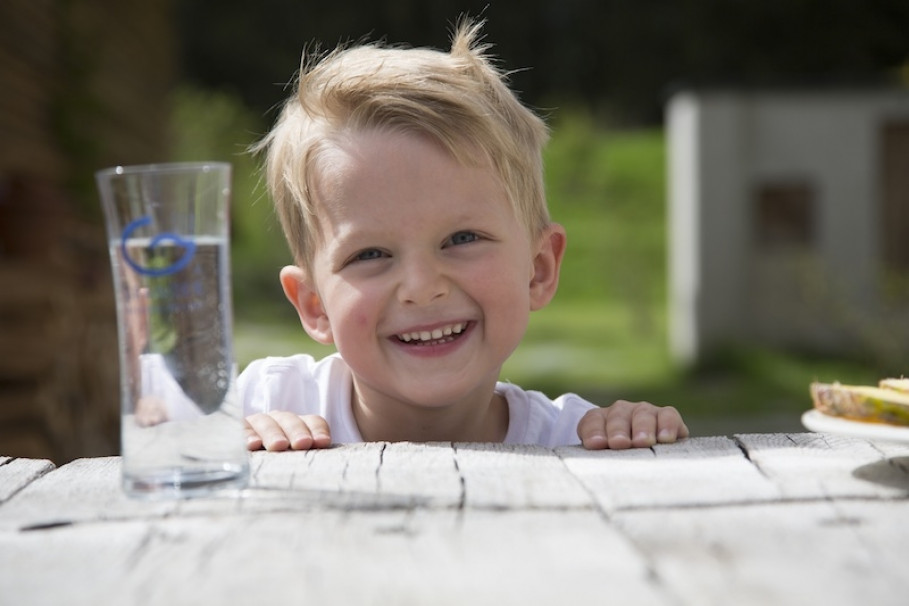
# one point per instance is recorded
(818, 465)
(437, 557)
(695, 522)
(891, 449)
(70, 564)
(426, 474)
(350, 468)
(517, 477)
(890, 472)
(696, 471)
(16, 474)
(379, 475)
(409, 474)
(883, 533)
(794, 553)
(81, 491)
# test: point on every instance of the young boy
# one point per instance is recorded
(409, 186)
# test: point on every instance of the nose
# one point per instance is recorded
(422, 281)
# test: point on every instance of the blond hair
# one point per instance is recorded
(459, 99)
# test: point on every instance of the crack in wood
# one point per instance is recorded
(379, 467)
(48, 525)
(18, 473)
(595, 503)
(462, 496)
(745, 452)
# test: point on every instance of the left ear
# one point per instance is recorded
(547, 262)
(300, 291)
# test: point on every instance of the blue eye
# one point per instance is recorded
(463, 237)
(369, 254)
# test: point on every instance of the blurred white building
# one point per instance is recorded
(789, 221)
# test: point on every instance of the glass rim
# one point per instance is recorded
(162, 168)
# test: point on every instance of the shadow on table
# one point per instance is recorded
(892, 472)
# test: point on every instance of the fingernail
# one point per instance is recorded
(302, 442)
(596, 441)
(645, 438)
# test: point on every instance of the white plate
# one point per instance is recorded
(815, 420)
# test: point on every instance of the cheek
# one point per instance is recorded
(360, 321)
(508, 280)
(353, 312)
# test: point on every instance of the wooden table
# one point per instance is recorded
(753, 519)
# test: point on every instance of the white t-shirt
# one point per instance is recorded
(302, 385)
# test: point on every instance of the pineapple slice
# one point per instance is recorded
(881, 404)
(901, 384)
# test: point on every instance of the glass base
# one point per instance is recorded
(178, 483)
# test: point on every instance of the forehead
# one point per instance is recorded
(368, 170)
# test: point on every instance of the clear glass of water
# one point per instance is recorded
(181, 424)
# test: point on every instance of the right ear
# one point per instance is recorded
(302, 295)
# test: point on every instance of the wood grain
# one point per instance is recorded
(16, 474)
(753, 519)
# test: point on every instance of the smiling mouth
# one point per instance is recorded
(443, 334)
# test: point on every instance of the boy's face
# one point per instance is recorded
(423, 277)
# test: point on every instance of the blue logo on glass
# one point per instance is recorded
(188, 246)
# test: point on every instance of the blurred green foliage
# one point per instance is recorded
(210, 125)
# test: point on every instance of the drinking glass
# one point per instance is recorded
(181, 423)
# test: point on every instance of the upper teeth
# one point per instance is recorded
(432, 335)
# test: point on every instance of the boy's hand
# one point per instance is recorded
(281, 430)
(630, 424)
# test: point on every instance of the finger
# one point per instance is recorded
(295, 429)
(670, 425)
(644, 425)
(618, 425)
(592, 430)
(253, 441)
(268, 430)
(319, 430)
